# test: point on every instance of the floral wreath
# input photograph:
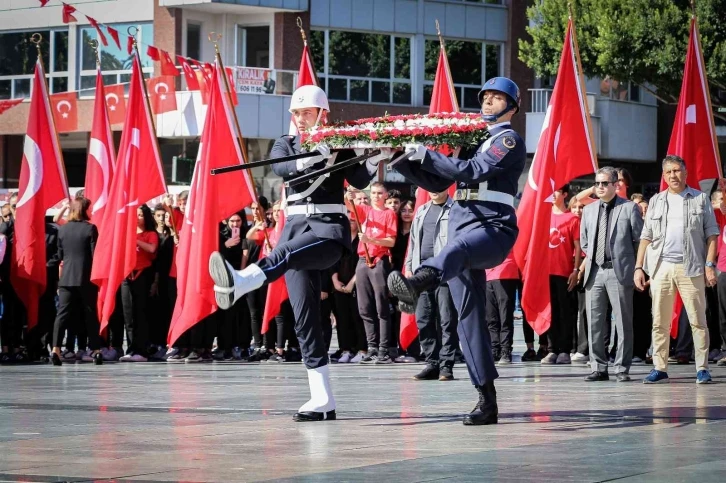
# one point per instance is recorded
(434, 130)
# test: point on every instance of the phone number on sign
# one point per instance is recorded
(251, 89)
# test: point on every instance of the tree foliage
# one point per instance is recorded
(642, 41)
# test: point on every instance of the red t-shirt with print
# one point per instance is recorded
(721, 220)
(377, 224)
(144, 258)
(564, 230)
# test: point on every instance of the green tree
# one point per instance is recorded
(642, 41)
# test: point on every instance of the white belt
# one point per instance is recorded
(484, 195)
(313, 209)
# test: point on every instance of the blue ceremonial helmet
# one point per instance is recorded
(508, 87)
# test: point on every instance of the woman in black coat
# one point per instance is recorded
(76, 293)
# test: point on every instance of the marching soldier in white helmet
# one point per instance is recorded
(316, 234)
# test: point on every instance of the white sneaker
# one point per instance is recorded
(133, 358)
(358, 357)
(405, 359)
(636, 360)
(579, 357)
(171, 352)
(345, 357)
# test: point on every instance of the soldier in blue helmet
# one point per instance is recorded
(482, 230)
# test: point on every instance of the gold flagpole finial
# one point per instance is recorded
(36, 38)
(133, 31)
(693, 8)
(214, 37)
(438, 33)
(302, 31)
(97, 50)
(569, 10)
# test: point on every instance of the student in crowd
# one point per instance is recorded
(159, 308)
(376, 241)
(76, 293)
(579, 335)
(501, 288)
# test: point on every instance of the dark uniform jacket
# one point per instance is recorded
(334, 226)
(76, 244)
(500, 166)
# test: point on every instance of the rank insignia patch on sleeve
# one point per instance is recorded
(509, 142)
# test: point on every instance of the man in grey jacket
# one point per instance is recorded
(436, 316)
(609, 236)
(677, 248)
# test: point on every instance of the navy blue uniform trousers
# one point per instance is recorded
(462, 263)
(301, 259)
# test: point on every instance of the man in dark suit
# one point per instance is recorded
(316, 235)
(609, 236)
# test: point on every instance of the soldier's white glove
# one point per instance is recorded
(418, 150)
(385, 154)
(305, 163)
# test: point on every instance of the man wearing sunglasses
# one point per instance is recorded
(610, 234)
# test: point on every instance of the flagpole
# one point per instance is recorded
(36, 39)
(238, 131)
(581, 82)
(305, 44)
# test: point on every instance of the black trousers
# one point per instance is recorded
(642, 322)
(160, 313)
(351, 334)
(437, 323)
(11, 325)
(202, 334)
(256, 307)
(183, 341)
(500, 313)
(373, 303)
(231, 332)
(721, 286)
(134, 302)
(559, 336)
(326, 310)
(712, 318)
(285, 322)
(301, 260)
(81, 302)
(42, 334)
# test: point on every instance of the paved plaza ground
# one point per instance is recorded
(225, 422)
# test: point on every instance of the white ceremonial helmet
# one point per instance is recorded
(309, 96)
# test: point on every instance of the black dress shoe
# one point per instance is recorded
(429, 373)
(446, 374)
(55, 359)
(307, 416)
(597, 376)
(623, 377)
(486, 410)
(408, 289)
(97, 359)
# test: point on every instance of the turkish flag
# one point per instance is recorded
(442, 100)
(167, 65)
(68, 11)
(138, 177)
(153, 53)
(42, 184)
(101, 155)
(114, 35)
(211, 199)
(231, 84)
(277, 290)
(116, 103)
(189, 74)
(305, 77)
(101, 36)
(65, 111)
(694, 134)
(565, 151)
(162, 94)
(6, 104)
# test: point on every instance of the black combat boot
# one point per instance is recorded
(486, 411)
(408, 289)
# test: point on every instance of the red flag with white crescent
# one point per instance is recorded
(443, 99)
(565, 151)
(693, 137)
(138, 177)
(211, 199)
(116, 103)
(42, 184)
(65, 111)
(162, 94)
(101, 155)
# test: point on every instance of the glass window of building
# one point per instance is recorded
(363, 67)
(194, 41)
(619, 90)
(471, 64)
(17, 61)
(115, 63)
(253, 46)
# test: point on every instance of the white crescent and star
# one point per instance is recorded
(163, 94)
(111, 95)
(34, 158)
(556, 236)
(99, 152)
(64, 103)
